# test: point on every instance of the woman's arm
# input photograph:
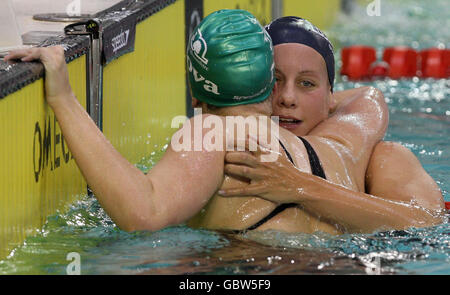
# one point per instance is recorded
(395, 173)
(281, 182)
(339, 98)
(167, 195)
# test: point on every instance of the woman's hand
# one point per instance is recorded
(279, 181)
(57, 86)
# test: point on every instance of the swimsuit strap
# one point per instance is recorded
(275, 211)
(317, 170)
(287, 153)
(314, 161)
(316, 166)
(281, 207)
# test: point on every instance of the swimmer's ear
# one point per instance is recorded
(204, 106)
(332, 102)
(198, 104)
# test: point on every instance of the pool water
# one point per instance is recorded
(419, 119)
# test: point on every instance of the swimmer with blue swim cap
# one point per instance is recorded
(304, 62)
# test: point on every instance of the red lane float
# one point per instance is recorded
(402, 62)
(360, 62)
(356, 61)
(435, 63)
(379, 69)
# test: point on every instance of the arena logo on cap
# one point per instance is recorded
(199, 47)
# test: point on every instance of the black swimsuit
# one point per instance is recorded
(316, 169)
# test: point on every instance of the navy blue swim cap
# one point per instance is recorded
(292, 29)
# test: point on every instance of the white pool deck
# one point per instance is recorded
(16, 17)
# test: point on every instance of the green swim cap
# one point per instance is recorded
(230, 59)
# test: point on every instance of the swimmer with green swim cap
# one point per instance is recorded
(230, 60)
(231, 75)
